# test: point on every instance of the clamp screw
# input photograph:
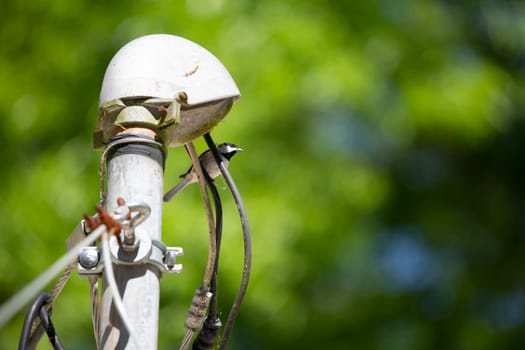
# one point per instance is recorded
(170, 258)
(88, 258)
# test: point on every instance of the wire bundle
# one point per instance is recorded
(210, 328)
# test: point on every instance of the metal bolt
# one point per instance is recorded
(170, 258)
(88, 257)
(183, 97)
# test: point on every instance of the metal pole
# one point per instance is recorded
(135, 173)
(169, 89)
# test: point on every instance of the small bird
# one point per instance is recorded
(208, 163)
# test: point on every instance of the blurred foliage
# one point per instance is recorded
(383, 171)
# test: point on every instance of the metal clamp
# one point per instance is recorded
(155, 113)
(153, 252)
(135, 247)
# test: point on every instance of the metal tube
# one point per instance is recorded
(135, 173)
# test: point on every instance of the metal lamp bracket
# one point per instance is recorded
(154, 113)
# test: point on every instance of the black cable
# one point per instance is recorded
(38, 309)
(218, 238)
(50, 329)
(210, 329)
(247, 243)
(31, 316)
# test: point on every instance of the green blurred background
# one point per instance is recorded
(382, 173)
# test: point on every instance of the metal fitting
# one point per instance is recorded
(169, 258)
(149, 252)
(198, 308)
(136, 247)
(159, 115)
(129, 224)
(89, 258)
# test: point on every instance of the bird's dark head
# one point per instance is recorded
(227, 150)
